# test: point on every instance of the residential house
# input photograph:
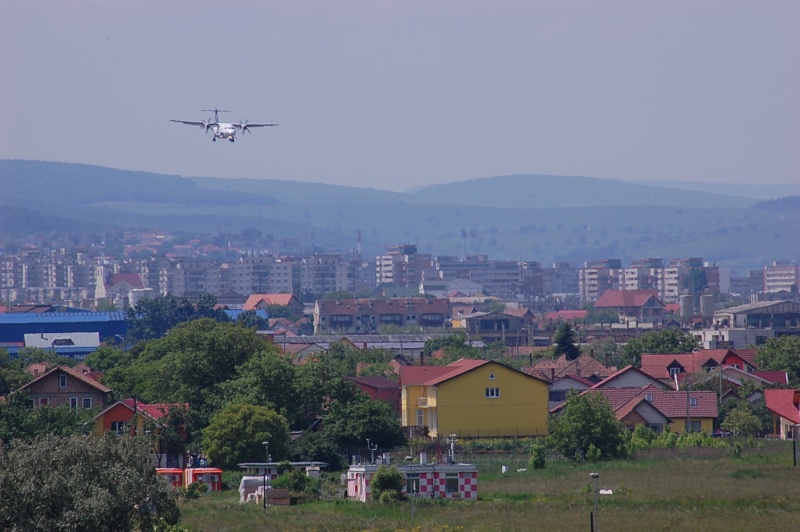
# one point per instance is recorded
(366, 316)
(473, 398)
(629, 377)
(651, 405)
(131, 416)
(785, 407)
(584, 366)
(504, 327)
(263, 301)
(381, 389)
(65, 386)
(640, 306)
(561, 387)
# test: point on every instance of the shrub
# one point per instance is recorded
(387, 479)
(538, 454)
(736, 449)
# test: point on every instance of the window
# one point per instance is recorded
(62, 381)
(492, 377)
(648, 397)
(419, 418)
(412, 483)
(31, 404)
(451, 483)
(693, 401)
(556, 396)
(73, 402)
(44, 401)
(118, 427)
(87, 403)
(492, 393)
(693, 425)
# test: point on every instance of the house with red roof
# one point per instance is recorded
(629, 377)
(584, 366)
(692, 411)
(641, 306)
(132, 416)
(381, 389)
(473, 398)
(263, 301)
(785, 407)
(66, 386)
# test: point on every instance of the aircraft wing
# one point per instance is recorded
(246, 126)
(199, 124)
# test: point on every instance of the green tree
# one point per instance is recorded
(387, 479)
(267, 379)
(237, 432)
(18, 422)
(316, 447)
(283, 311)
(349, 424)
(249, 319)
(188, 366)
(664, 341)
(82, 483)
(600, 315)
(153, 317)
(455, 346)
(742, 421)
(781, 354)
(107, 357)
(564, 342)
(12, 373)
(587, 423)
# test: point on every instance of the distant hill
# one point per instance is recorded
(787, 204)
(757, 190)
(544, 191)
(542, 218)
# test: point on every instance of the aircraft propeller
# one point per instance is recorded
(244, 126)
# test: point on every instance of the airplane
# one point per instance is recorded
(222, 130)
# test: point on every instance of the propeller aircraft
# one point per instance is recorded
(222, 130)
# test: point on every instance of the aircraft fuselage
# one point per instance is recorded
(224, 131)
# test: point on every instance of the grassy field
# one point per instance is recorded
(691, 489)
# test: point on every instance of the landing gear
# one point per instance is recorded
(232, 139)
(213, 139)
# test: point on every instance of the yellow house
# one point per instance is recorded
(473, 398)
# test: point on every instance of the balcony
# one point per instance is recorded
(426, 402)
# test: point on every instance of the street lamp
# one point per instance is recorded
(266, 467)
(596, 521)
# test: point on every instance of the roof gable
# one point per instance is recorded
(628, 298)
(86, 379)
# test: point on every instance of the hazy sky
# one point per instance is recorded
(396, 94)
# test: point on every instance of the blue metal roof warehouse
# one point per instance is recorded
(14, 325)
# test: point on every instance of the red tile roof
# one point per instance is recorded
(132, 279)
(627, 369)
(748, 355)
(566, 315)
(776, 377)
(433, 375)
(73, 372)
(656, 364)
(154, 411)
(671, 404)
(625, 298)
(783, 403)
(268, 299)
